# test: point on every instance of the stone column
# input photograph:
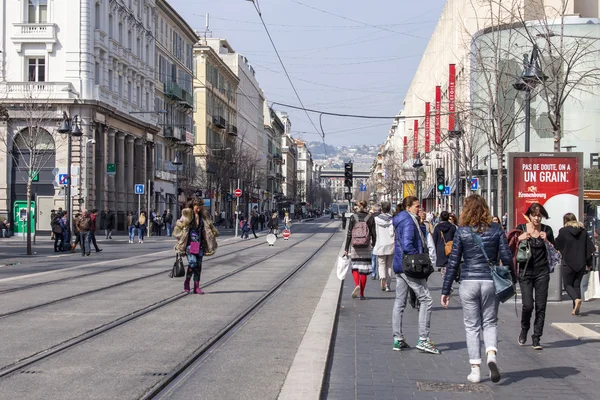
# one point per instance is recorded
(129, 175)
(121, 198)
(111, 186)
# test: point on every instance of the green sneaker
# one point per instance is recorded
(400, 344)
(427, 346)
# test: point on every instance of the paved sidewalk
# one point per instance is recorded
(364, 366)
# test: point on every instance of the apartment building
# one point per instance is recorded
(274, 131)
(304, 170)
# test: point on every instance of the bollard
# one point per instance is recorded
(555, 288)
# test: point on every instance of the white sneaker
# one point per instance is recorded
(475, 375)
(493, 366)
(355, 292)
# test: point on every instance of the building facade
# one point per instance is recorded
(274, 130)
(304, 172)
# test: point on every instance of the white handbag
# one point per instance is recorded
(343, 264)
(590, 286)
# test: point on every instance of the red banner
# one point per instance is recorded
(416, 138)
(405, 149)
(438, 112)
(551, 181)
(451, 96)
(427, 127)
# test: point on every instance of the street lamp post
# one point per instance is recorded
(456, 133)
(70, 127)
(417, 165)
(528, 80)
(177, 162)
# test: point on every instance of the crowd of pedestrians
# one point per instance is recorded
(474, 250)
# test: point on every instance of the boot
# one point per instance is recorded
(186, 284)
(197, 289)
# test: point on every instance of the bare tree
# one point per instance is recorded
(28, 143)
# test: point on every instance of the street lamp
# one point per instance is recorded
(177, 162)
(531, 76)
(70, 127)
(456, 133)
(417, 165)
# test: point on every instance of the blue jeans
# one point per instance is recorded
(168, 229)
(86, 238)
(141, 231)
(374, 265)
(131, 231)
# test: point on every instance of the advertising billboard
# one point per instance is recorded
(554, 180)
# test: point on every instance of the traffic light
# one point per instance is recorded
(440, 179)
(348, 174)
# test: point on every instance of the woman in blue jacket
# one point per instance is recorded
(477, 291)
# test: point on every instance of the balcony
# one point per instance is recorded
(277, 158)
(34, 33)
(174, 133)
(173, 90)
(232, 130)
(219, 122)
(37, 90)
(188, 99)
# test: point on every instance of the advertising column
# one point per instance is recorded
(554, 180)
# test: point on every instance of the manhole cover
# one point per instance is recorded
(452, 387)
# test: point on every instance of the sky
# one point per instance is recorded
(343, 56)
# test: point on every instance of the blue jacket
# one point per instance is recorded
(475, 266)
(406, 239)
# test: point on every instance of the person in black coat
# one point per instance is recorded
(577, 250)
(442, 234)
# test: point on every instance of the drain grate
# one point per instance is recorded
(452, 387)
(31, 372)
(157, 373)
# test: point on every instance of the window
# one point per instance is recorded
(129, 91)
(110, 80)
(37, 12)
(120, 86)
(138, 47)
(36, 69)
(147, 101)
(138, 96)
(120, 32)
(110, 27)
(97, 15)
(129, 40)
(97, 78)
(147, 54)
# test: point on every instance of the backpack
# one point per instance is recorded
(447, 245)
(360, 232)
(56, 228)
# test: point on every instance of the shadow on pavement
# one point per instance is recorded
(547, 373)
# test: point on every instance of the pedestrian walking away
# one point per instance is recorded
(109, 223)
(169, 222)
(360, 239)
(344, 219)
(94, 218)
(57, 231)
(384, 247)
(443, 235)
(131, 222)
(374, 212)
(577, 250)
(85, 226)
(254, 223)
(141, 226)
(409, 239)
(534, 272)
(189, 231)
(476, 241)
(273, 224)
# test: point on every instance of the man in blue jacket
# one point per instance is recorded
(408, 240)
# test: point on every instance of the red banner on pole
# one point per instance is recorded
(416, 138)
(427, 127)
(438, 111)
(451, 96)
(405, 149)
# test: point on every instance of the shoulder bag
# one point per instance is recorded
(178, 269)
(505, 289)
(447, 245)
(417, 266)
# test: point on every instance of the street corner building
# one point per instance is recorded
(121, 74)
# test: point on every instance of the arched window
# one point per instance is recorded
(34, 146)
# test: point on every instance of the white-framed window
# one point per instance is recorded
(147, 54)
(138, 47)
(110, 27)
(36, 69)
(147, 101)
(129, 91)
(120, 33)
(97, 73)
(97, 15)
(37, 11)
(129, 40)
(110, 80)
(120, 86)
(138, 96)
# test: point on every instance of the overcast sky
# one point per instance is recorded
(344, 56)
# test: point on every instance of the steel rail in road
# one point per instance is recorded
(176, 377)
(70, 343)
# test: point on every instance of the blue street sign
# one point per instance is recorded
(63, 179)
(474, 183)
(229, 197)
(363, 188)
(446, 191)
(139, 188)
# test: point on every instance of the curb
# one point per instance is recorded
(307, 373)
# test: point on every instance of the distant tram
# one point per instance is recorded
(338, 208)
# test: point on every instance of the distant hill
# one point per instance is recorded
(318, 149)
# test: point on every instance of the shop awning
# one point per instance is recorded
(428, 192)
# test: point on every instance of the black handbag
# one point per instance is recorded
(417, 266)
(178, 270)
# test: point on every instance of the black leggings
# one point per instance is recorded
(58, 237)
(537, 282)
(572, 281)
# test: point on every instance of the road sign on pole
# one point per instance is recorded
(111, 169)
(348, 196)
(446, 191)
(474, 183)
(238, 192)
(139, 188)
(63, 179)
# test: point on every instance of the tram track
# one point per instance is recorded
(177, 377)
(99, 330)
